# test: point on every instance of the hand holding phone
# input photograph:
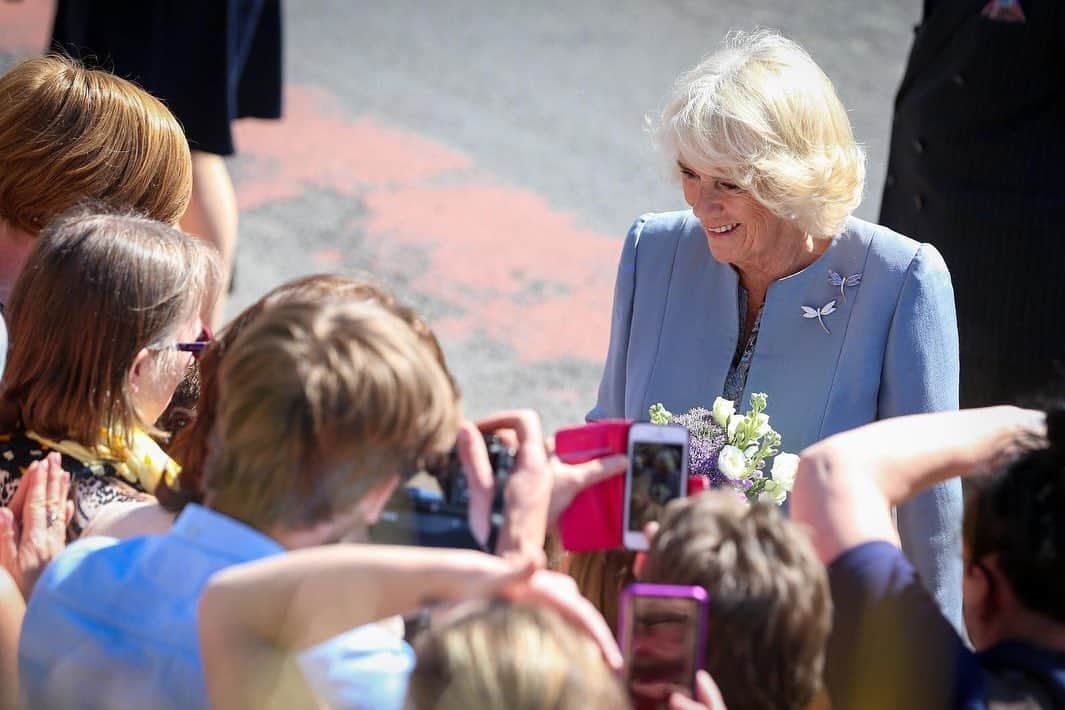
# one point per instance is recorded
(657, 473)
(593, 520)
(662, 631)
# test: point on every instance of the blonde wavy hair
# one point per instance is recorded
(516, 656)
(760, 113)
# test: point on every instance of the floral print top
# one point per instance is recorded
(91, 488)
(736, 379)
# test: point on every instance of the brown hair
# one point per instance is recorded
(68, 134)
(504, 655)
(770, 607)
(318, 403)
(190, 445)
(601, 576)
(97, 288)
(1014, 515)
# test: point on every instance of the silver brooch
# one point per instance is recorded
(843, 282)
(819, 313)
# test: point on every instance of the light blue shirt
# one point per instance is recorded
(112, 624)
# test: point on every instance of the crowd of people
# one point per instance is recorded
(187, 516)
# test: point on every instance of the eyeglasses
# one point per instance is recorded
(197, 347)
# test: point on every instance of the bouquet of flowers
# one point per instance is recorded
(731, 450)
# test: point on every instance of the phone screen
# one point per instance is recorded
(661, 636)
(657, 471)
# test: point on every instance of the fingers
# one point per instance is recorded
(58, 506)
(708, 695)
(19, 498)
(35, 482)
(57, 485)
(571, 479)
(478, 469)
(528, 492)
(560, 592)
(708, 692)
(9, 544)
(43, 534)
(45, 506)
(596, 470)
(522, 569)
(678, 701)
(650, 530)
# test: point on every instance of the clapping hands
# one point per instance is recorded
(33, 526)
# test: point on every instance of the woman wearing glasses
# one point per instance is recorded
(104, 321)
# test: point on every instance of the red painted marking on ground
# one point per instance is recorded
(518, 270)
(522, 272)
(25, 26)
(315, 145)
(327, 257)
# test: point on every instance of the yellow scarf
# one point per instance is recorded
(143, 465)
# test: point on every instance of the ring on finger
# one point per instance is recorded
(50, 518)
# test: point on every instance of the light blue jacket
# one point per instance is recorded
(891, 349)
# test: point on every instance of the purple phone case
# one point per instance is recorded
(676, 591)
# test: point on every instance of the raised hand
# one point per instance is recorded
(33, 527)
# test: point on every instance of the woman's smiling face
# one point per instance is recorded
(739, 229)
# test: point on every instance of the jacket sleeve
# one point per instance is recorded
(611, 401)
(921, 375)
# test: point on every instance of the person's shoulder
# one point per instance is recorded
(663, 226)
(1020, 675)
(881, 610)
(367, 666)
(890, 251)
(130, 518)
(869, 559)
(83, 565)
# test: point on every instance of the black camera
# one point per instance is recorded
(431, 509)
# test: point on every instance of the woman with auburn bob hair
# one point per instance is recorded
(768, 284)
(103, 321)
(70, 134)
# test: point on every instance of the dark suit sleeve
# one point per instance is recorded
(890, 646)
(611, 401)
(921, 375)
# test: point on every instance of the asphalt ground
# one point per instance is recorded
(485, 159)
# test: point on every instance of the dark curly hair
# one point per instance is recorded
(1018, 515)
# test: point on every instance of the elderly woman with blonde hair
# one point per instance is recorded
(768, 284)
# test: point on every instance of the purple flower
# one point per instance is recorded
(706, 441)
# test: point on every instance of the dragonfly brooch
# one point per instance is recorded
(843, 282)
(819, 313)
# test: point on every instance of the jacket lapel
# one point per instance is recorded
(795, 361)
(699, 330)
(934, 33)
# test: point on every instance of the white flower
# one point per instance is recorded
(761, 424)
(732, 463)
(733, 424)
(750, 451)
(773, 493)
(723, 409)
(785, 466)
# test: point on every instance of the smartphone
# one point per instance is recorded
(657, 473)
(662, 634)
